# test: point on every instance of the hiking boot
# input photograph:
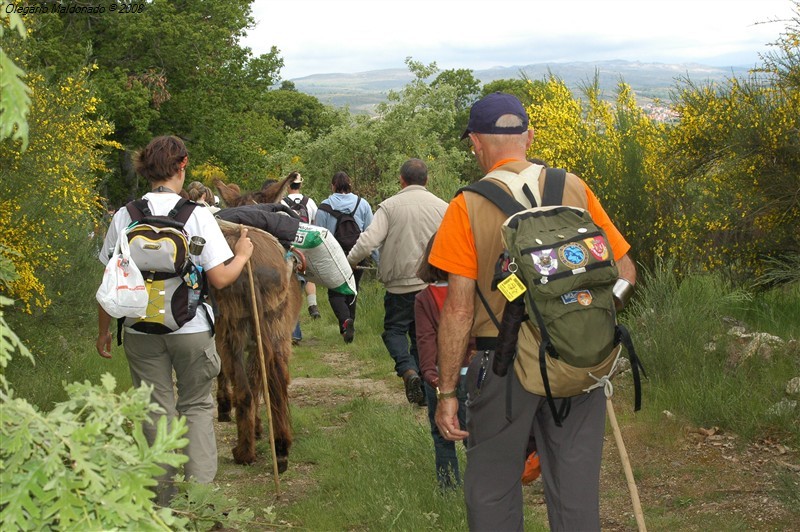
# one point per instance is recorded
(413, 385)
(424, 400)
(313, 310)
(296, 341)
(348, 330)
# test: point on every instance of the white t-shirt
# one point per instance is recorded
(310, 205)
(200, 223)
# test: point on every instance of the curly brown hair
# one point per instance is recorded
(160, 159)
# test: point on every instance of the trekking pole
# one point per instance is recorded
(626, 466)
(257, 321)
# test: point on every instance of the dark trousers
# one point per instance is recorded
(400, 332)
(570, 455)
(344, 306)
(447, 472)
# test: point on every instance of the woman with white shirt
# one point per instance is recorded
(189, 351)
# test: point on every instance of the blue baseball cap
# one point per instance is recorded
(485, 112)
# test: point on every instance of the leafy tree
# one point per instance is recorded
(466, 90)
(414, 122)
(519, 87)
(14, 94)
(420, 121)
(463, 80)
(176, 68)
(351, 147)
(298, 111)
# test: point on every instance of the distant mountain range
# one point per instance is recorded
(362, 91)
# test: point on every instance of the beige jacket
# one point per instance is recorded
(400, 230)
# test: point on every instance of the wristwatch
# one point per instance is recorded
(445, 395)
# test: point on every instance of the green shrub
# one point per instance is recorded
(680, 329)
(86, 464)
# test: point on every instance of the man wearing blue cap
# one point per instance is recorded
(467, 246)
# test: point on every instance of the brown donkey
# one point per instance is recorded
(278, 296)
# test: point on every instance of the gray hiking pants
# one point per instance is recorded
(152, 359)
(569, 455)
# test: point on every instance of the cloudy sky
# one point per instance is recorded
(325, 36)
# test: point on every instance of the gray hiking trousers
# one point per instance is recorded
(194, 359)
(569, 455)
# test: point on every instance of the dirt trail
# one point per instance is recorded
(319, 391)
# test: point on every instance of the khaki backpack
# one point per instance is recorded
(558, 273)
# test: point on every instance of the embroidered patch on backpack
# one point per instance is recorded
(574, 255)
(545, 261)
(597, 247)
(584, 297)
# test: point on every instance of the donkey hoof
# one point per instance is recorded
(243, 456)
(283, 464)
(224, 417)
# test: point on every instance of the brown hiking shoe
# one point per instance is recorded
(413, 386)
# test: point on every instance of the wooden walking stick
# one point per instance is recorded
(257, 320)
(626, 465)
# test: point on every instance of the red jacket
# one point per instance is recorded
(427, 307)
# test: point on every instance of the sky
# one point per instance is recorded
(351, 36)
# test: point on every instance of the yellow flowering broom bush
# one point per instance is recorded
(734, 183)
(47, 193)
(611, 146)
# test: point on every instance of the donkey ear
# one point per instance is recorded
(230, 193)
(274, 192)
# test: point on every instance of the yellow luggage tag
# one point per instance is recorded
(511, 287)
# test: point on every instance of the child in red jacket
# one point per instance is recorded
(427, 307)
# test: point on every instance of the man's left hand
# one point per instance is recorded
(447, 420)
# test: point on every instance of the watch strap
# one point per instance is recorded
(445, 395)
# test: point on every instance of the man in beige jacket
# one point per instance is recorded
(400, 230)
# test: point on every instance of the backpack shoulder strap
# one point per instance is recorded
(356, 207)
(523, 186)
(554, 182)
(496, 195)
(138, 209)
(330, 210)
(287, 201)
(182, 210)
(304, 200)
